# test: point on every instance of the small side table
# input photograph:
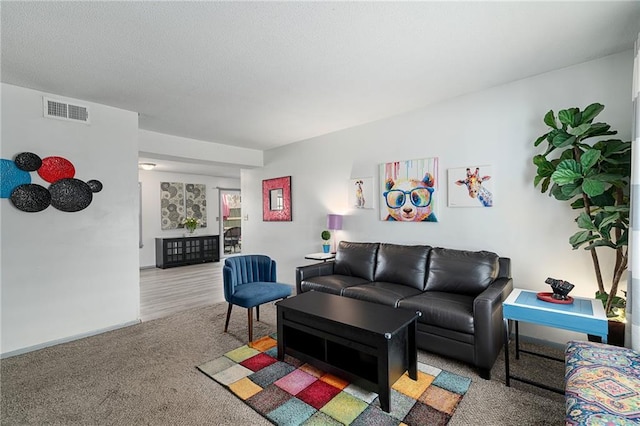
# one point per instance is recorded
(583, 315)
(324, 257)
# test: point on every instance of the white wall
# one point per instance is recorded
(495, 127)
(151, 226)
(70, 274)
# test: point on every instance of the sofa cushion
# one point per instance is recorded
(380, 292)
(356, 259)
(461, 271)
(446, 310)
(406, 265)
(333, 284)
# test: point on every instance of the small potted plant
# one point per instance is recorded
(190, 224)
(326, 236)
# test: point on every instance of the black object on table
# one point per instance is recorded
(181, 251)
(560, 288)
(367, 343)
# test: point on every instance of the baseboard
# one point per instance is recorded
(148, 267)
(66, 339)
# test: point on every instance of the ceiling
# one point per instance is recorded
(264, 74)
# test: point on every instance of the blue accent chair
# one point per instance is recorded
(250, 281)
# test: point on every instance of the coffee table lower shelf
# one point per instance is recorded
(333, 354)
(371, 360)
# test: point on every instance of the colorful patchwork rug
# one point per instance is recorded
(295, 393)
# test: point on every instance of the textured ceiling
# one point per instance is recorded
(265, 74)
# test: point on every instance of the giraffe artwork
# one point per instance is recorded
(469, 187)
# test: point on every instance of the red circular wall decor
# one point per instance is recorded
(65, 193)
(55, 168)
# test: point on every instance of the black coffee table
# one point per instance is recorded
(367, 343)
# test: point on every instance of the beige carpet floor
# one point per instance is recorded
(146, 375)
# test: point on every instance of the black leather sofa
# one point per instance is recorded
(458, 292)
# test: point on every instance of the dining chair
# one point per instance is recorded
(232, 238)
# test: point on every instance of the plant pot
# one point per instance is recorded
(615, 336)
(326, 248)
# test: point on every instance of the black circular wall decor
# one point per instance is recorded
(70, 195)
(28, 161)
(95, 185)
(30, 197)
(65, 192)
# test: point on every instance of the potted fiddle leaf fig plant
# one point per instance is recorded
(326, 236)
(592, 172)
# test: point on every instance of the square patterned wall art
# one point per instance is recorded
(179, 200)
(470, 186)
(196, 201)
(171, 204)
(409, 190)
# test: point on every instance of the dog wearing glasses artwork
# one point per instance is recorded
(409, 191)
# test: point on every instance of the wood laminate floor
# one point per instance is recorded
(166, 291)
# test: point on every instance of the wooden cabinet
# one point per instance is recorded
(180, 251)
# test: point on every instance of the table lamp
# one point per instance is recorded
(334, 223)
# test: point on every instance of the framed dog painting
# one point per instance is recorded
(361, 193)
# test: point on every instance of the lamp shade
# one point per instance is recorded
(334, 222)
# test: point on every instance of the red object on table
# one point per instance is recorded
(548, 297)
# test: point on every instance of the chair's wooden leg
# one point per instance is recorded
(258, 313)
(250, 319)
(226, 324)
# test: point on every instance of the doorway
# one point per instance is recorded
(231, 223)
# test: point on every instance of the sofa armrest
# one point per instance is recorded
(315, 270)
(488, 322)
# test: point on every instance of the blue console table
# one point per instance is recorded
(583, 315)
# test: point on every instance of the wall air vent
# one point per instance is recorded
(65, 111)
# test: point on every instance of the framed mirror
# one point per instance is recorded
(276, 199)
